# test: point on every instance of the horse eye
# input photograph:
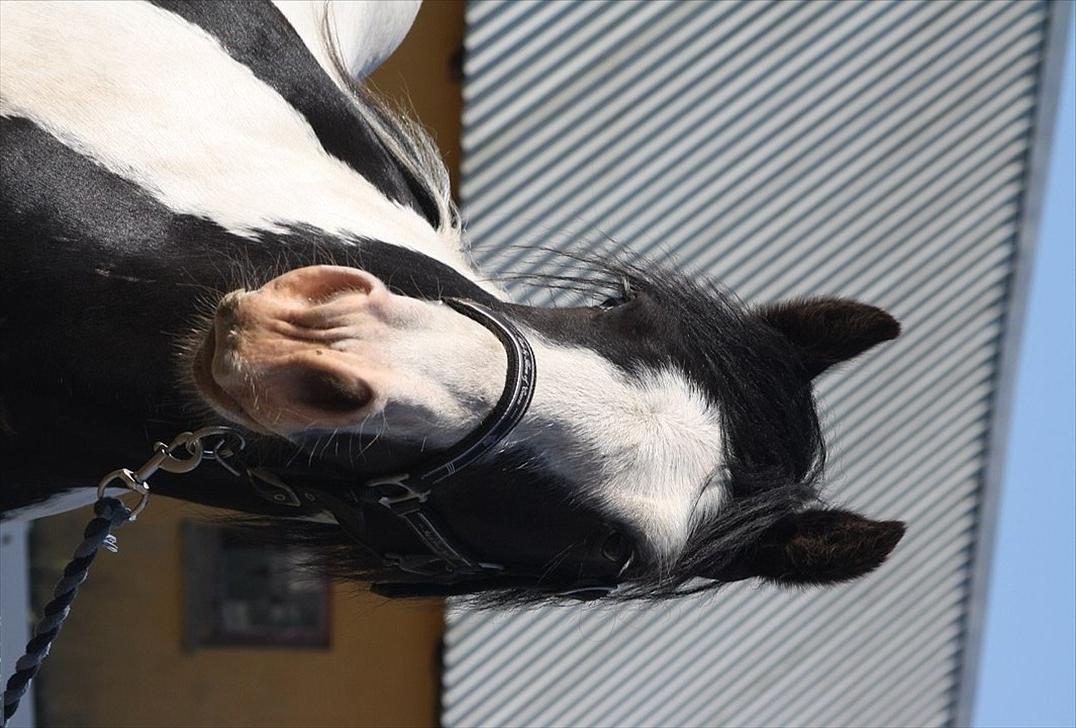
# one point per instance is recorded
(616, 547)
(614, 301)
(627, 294)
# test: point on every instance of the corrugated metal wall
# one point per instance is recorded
(876, 150)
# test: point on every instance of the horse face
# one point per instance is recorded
(669, 416)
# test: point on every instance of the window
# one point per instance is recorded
(241, 592)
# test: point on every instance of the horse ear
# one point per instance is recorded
(820, 547)
(829, 330)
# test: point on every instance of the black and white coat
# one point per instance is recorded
(157, 155)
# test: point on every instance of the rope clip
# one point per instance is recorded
(182, 455)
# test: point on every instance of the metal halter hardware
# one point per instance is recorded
(164, 458)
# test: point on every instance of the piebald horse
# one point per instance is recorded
(205, 220)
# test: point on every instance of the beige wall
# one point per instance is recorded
(120, 660)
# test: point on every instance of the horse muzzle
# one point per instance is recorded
(293, 354)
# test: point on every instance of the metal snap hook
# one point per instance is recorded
(165, 458)
(129, 480)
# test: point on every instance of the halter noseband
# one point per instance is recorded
(406, 495)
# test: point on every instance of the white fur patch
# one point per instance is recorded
(158, 101)
(642, 451)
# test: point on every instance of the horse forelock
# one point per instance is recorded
(772, 450)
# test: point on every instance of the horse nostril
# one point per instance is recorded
(329, 393)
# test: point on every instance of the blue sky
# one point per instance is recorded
(1028, 669)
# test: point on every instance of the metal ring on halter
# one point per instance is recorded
(221, 451)
(218, 451)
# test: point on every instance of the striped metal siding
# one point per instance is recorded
(874, 150)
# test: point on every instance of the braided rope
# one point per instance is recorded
(110, 514)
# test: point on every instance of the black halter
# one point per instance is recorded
(405, 495)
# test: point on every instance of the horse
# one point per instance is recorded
(206, 220)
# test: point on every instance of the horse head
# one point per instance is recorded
(662, 440)
(672, 442)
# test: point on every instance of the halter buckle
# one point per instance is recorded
(408, 501)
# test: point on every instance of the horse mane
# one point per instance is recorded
(403, 136)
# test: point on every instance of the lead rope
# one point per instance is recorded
(110, 513)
